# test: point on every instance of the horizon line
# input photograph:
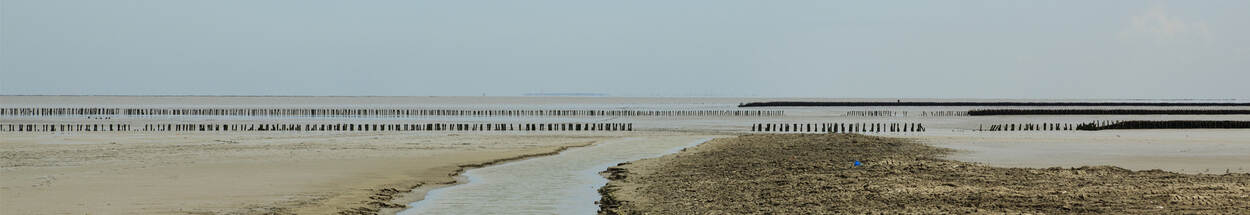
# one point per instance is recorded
(604, 96)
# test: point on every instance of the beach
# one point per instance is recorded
(192, 173)
(398, 160)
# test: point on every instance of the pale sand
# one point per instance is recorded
(249, 173)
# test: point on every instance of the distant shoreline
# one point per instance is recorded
(567, 94)
(949, 104)
(1005, 112)
(229, 96)
(634, 96)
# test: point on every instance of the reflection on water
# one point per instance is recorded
(566, 183)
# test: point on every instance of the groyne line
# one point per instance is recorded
(1116, 124)
(873, 113)
(47, 127)
(837, 127)
(995, 112)
(892, 113)
(1170, 124)
(1029, 127)
(367, 112)
(1057, 104)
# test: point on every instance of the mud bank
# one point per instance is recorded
(815, 173)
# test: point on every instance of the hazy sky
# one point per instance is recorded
(960, 49)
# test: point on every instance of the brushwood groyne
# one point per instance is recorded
(1170, 124)
(1116, 124)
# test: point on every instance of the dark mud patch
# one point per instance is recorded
(815, 173)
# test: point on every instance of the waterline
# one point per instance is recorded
(565, 183)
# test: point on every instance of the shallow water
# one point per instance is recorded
(565, 183)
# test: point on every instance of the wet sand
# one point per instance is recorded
(814, 173)
(248, 173)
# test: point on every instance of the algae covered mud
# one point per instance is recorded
(317, 155)
(827, 173)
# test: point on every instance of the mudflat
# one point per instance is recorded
(815, 173)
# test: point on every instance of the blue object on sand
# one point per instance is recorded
(857, 163)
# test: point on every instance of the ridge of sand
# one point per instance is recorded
(814, 174)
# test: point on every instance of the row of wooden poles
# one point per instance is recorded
(838, 127)
(904, 113)
(1044, 126)
(1169, 124)
(944, 113)
(358, 112)
(1029, 127)
(321, 127)
(875, 113)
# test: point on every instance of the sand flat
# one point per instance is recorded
(305, 173)
(328, 172)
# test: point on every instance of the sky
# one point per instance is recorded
(723, 48)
